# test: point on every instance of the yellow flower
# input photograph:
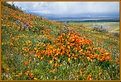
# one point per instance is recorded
(68, 59)
(51, 61)
(88, 58)
(35, 78)
(68, 47)
(29, 41)
(75, 58)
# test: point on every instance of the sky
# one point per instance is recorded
(69, 8)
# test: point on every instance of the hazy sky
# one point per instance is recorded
(69, 8)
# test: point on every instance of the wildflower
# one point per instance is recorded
(75, 58)
(101, 72)
(11, 44)
(77, 77)
(68, 47)
(12, 59)
(35, 78)
(38, 55)
(50, 61)
(25, 63)
(56, 64)
(19, 28)
(6, 58)
(83, 72)
(13, 73)
(72, 74)
(7, 69)
(106, 73)
(55, 70)
(19, 74)
(116, 59)
(56, 59)
(68, 59)
(80, 70)
(107, 53)
(112, 71)
(63, 34)
(31, 75)
(89, 77)
(108, 57)
(55, 78)
(29, 60)
(101, 60)
(88, 58)
(12, 37)
(26, 73)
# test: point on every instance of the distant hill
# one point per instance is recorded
(80, 18)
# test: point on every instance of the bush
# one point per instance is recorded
(99, 29)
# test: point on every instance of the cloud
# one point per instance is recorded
(69, 8)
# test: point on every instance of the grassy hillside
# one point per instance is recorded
(34, 48)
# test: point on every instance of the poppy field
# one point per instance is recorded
(35, 48)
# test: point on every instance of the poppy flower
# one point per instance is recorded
(80, 70)
(11, 44)
(25, 63)
(7, 69)
(6, 58)
(31, 75)
(77, 76)
(56, 64)
(19, 74)
(35, 78)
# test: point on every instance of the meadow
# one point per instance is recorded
(109, 26)
(34, 48)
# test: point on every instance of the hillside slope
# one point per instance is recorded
(34, 48)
